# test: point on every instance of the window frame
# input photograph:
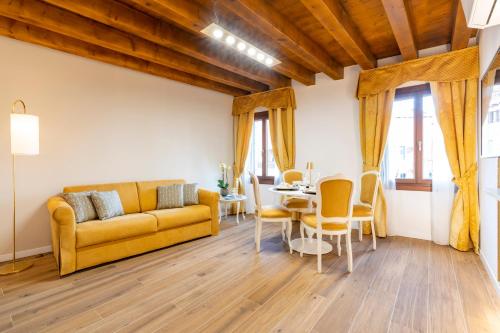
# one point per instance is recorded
(418, 183)
(264, 178)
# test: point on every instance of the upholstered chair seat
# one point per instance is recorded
(297, 203)
(272, 211)
(361, 211)
(311, 220)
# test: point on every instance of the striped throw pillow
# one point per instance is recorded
(82, 205)
(170, 196)
(190, 194)
(107, 204)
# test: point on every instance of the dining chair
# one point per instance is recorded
(364, 210)
(270, 213)
(333, 215)
(291, 203)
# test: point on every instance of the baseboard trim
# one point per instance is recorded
(26, 253)
(491, 274)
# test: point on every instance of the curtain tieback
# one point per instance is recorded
(469, 175)
(370, 168)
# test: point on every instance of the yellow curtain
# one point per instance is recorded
(282, 130)
(242, 127)
(374, 120)
(272, 99)
(456, 112)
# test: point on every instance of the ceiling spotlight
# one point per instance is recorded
(230, 40)
(217, 33)
(241, 46)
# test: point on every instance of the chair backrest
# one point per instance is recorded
(256, 192)
(293, 175)
(335, 200)
(369, 182)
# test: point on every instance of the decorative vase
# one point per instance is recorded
(224, 192)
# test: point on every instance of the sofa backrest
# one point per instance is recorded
(148, 192)
(127, 192)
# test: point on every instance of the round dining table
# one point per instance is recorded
(310, 245)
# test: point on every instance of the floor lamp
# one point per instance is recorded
(24, 140)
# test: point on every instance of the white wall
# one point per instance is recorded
(100, 123)
(489, 42)
(326, 125)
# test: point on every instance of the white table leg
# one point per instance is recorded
(243, 214)
(225, 207)
(220, 212)
(237, 212)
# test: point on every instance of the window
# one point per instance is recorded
(261, 159)
(411, 127)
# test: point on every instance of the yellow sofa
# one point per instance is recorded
(143, 228)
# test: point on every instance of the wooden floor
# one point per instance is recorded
(220, 284)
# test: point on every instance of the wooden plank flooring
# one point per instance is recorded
(220, 284)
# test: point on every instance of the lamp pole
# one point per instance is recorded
(14, 267)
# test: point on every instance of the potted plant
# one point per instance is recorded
(223, 183)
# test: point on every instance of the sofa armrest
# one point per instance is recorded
(211, 199)
(63, 231)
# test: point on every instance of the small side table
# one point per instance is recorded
(230, 199)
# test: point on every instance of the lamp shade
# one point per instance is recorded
(24, 134)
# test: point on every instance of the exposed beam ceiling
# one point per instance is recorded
(125, 18)
(194, 17)
(460, 33)
(337, 22)
(63, 22)
(35, 35)
(398, 16)
(263, 16)
(164, 38)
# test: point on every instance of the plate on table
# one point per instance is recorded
(286, 189)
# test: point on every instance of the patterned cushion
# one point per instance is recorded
(107, 204)
(81, 203)
(190, 194)
(170, 196)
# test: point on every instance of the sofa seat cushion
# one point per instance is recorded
(115, 228)
(177, 217)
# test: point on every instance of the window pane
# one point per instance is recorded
(402, 130)
(257, 134)
(272, 168)
(429, 121)
(491, 126)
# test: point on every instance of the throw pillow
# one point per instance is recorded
(81, 203)
(107, 204)
(190, 194)
(170, 196)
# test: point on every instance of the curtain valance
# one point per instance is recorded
(273, 99)
(447, 67)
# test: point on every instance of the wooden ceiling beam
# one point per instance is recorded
(32, 34)
(461, 32)
(49, 17)
(125, 18)
(399, 20)
(339, 25)
(261, 15)
(194, 17)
